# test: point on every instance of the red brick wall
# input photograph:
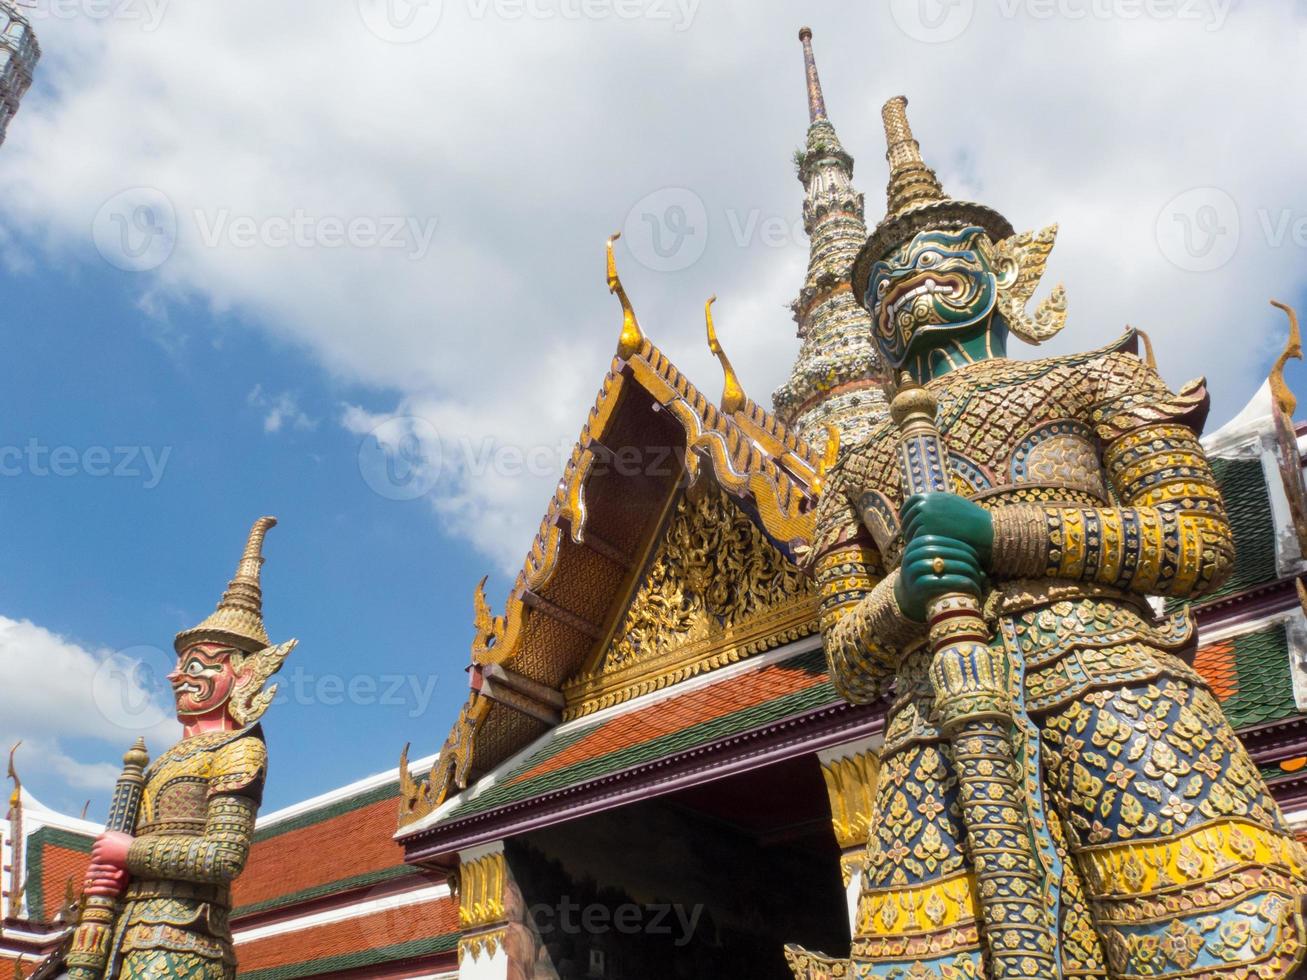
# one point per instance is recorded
(353, 843)
(58, 865)
(389, 928)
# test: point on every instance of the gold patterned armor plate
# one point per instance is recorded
(192, 838)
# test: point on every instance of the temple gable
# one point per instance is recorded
(714, 591)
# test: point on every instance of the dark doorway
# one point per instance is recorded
(711, 881)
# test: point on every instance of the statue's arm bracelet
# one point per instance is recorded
(1172, 537)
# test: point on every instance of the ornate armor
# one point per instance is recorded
(192, 838)
(1090, 812)
(1100, 494)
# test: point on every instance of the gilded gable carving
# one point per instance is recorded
(715, 592)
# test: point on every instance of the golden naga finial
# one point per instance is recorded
(733, 397)
(832, 450)
(828, 457)
(1284, 398)
(16, 797)
(632, 339)
(489, 628)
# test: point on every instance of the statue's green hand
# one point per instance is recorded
(950, 516)
(932, 566)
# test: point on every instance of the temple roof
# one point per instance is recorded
(649, 433)
(775, 706)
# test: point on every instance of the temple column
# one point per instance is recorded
(498, 940)
(851, 771)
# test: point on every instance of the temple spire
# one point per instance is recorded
(816, 103)
(836, 378)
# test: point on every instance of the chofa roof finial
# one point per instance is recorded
(632, 338)
(733, 396)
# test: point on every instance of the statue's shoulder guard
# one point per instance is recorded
(1089, 364)
(1131, 395)
(240, 765)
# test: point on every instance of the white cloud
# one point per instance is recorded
(524, 141)
(56, 690)
(280, 411)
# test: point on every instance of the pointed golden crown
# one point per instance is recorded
(238, 620)
(916, 199)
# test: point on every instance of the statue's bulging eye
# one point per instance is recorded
(928, 258)
(194, 668)
(881, 287)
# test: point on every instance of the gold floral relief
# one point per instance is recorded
(715, 592)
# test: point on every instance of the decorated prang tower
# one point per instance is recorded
(838, 375)
(19, 53)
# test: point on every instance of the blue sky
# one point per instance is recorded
(371, 586)
(255, 369)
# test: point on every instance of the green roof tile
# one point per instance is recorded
(1265, 691)
(1243, 484)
